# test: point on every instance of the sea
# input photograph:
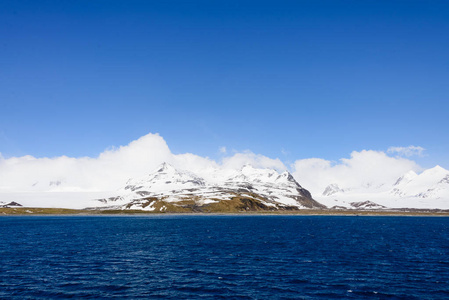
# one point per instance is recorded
(224, 257)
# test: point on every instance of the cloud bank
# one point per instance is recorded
(366, 169)
(112, 168)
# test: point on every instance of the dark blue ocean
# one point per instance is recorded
(227, 257)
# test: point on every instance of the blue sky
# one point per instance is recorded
(287, 79)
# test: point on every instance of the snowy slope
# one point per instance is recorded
(165, 178)
(268, 183)
(427, 190)
(432, 183)
(174, 186)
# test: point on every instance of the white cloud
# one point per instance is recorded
(362, 169)
(108, 171)
(222, 150)
(193, 163)
(238, 160)
(112, 168)
(407, 151)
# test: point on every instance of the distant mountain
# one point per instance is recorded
(432, 183)
(247, 189)
(429, 189)
(362, 205)
(332, 189)
(10, 204)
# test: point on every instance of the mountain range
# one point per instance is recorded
(427, 190)
(168, 189)
(252, 189)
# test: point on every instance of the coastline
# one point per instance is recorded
(27, 211)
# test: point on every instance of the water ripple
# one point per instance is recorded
(224, 257)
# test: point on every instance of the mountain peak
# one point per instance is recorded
(406, 178)
(436, 171)
(288, 176)
(438, 168)
(331, 189)
(165, 167)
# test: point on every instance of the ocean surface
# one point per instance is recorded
(224, 257)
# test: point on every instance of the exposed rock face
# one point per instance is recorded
(362, 205)
(11, 204)
(366, 205)
(248, 189)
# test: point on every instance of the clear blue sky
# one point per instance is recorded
(310, 78)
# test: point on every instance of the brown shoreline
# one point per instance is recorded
(28, 211)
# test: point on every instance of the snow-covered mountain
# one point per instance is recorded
(332, 189)
(427, 190)
(165, 178)
(220, 190)
(230, 190)
(432, 183)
